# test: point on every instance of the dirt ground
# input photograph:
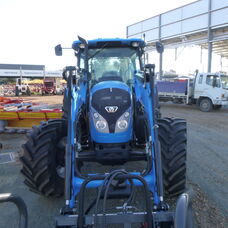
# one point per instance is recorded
(207, 161)
(207, 169)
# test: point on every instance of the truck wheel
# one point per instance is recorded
(173, 139)
(205, 105)
(43, 159)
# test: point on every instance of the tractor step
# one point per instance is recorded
(115, 218)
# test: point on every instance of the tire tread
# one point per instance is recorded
(172, 135)
(38, 159)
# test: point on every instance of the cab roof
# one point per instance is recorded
(110, 42)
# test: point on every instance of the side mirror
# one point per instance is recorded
(149, 71)
(159, 47)
(58, 50)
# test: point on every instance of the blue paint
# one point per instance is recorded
(142, 95)
(100, 42)
(121, 137)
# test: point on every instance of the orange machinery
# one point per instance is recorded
(26, 117)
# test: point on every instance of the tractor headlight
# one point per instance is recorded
(101, 125)
(135, 44)
(122, 123)
(99, 122)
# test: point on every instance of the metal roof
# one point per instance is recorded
(21, 66)
(200, 22)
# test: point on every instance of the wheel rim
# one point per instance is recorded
(205, 105)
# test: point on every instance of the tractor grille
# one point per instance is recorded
(111, 97)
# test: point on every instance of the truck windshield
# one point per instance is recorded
(224, 81)
(118, 64)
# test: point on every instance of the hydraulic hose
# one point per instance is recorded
(113, 176)
(120, 177)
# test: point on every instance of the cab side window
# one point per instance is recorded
(213, 81)
(209, 80)
(200, 79)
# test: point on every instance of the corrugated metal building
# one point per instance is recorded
(203, 22)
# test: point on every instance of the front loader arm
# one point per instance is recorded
(76, 97)
(145, 94)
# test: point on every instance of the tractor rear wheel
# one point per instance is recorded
(172, 134)
(43, 159)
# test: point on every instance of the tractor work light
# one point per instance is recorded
(126, 114)
(135, 44)
(95, 115)
(82, 46)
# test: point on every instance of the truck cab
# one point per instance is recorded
(211, 91)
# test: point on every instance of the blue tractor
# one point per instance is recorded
(111, 117)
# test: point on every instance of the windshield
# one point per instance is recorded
(224, 81)
(117, 64)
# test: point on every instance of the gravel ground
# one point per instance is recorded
(207, 169)
(207, 161)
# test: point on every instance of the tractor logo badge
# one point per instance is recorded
(111, 109)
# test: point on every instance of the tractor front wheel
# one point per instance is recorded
(43, 159)
(172, 135)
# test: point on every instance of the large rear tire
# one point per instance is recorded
(172, 133)
(43, 159)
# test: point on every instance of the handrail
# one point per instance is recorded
(23, 213)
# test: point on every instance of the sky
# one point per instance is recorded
(30, 29)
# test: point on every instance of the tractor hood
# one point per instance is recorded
(111, 112)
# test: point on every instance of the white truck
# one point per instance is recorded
(207, 90)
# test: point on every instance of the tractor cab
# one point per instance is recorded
(110, 59)
(109, 66)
